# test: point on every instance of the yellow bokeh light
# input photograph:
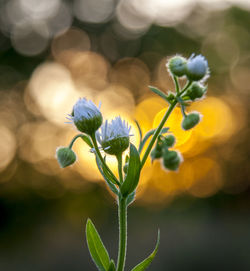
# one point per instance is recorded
(116, 98)
(207, 177)
(146, 110)
(218, 121)
(53, 90)
(7, 146)
(174, 124)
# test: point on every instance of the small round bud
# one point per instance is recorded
(170, 96)
(114, 136)
(86, 116)
(65, 156)
(156, 153)
(197, 68)
(190, 121)
(169, 141)
(171, 160)
(177, 65)
(196, 91)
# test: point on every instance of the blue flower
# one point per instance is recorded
(197, 68)
(114, 136)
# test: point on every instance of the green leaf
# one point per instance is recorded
(111, 266)
(130, 198)
(106, 176)
(158, 92)
(97, 250)
(139, 129)
(148, 135)
(144, 264)
(132, 178)
(87, 140)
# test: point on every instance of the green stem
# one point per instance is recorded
(179, 99)
(73, 140)
(122, 233)
(102, 160)
(177, 87)
(157, 132)
(119, 160)
(185, 88)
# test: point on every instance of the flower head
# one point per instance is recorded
(114, 136)
(86, 116)
(197, 68)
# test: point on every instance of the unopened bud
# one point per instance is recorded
(190, 120)
(86, 116)
(196, 91)
(65, 156)
(171, 160)
(169, 141)
(156, 153)
(177, 65)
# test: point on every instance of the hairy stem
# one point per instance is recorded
(177, 87)
(119, 160)
(189, 83)
(122, 213)
(157, 132)
(102, 160)
(73, 140)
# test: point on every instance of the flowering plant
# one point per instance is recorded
(114, 138)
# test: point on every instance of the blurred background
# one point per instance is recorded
(52, 53)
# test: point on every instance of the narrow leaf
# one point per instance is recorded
(139, 129)
(106, 176)
(148, 135)
(87, 140)
(144, 264)
(132, 177)
(111, 266)
(158, 92)
(97, 250)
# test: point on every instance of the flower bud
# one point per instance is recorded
(196, 91)
(114, 136)
(156, 153)
(65, 156)
(177, 65)
(86, 116)
(171, 159)
(197, 68)
(169, 141)
(170, 97)
(190, 120)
